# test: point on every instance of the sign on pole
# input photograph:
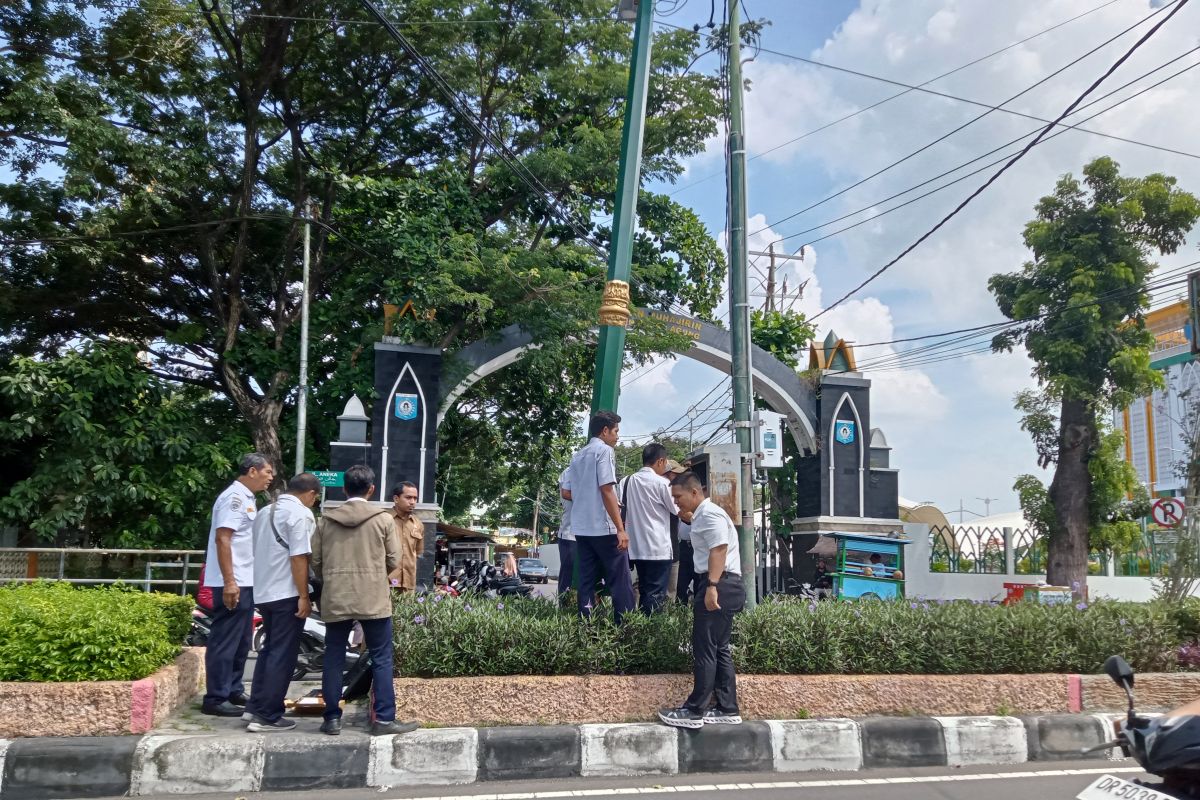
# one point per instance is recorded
(1167, 511)
(329, 478)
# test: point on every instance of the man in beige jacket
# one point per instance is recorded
(353, 550)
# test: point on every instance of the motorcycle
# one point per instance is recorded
(311, 658)
(1167, 746)
(484, 579)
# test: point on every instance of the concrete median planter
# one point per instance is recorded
(608, 699)
(101, 708)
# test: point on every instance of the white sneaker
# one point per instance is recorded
(715, 717)
(260, 725)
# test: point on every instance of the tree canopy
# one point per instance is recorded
(167, 152)
(1080, 307)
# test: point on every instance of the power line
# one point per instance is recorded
(964, 345)
(888, 99)
(1177, 5)
(1152, 285)
(976, 336)
(1116, 65)
(994, 150)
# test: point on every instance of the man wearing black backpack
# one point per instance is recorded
(282, 544)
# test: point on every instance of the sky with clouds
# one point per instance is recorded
(950, 422)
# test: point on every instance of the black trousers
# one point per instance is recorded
(228, 645)
(277, 660)
(653, 578)
(687, 572)
(713, 660)
(598, 556)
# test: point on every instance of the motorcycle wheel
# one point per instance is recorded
(260, 638)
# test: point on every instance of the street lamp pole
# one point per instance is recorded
(302, 398)
(739, 308)
(614, 309)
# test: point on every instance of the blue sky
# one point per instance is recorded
(951, 423)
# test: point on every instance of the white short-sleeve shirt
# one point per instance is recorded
(712, 527)
(234, 509)
(564, 528)
(294, 525)
(594, 466)
(646, 496)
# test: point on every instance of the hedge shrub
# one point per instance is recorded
(55, 632)
(447, 637)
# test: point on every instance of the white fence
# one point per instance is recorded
(921, 581)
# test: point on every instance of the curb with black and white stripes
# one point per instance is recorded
(31, 769)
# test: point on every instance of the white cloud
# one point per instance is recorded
(977, 447)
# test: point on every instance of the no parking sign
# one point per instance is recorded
(1167, 511)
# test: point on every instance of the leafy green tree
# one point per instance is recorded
(1079, 308)
(96, 446)
(167, 150)
(783, 334)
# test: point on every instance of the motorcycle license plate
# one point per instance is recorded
(1110, 787)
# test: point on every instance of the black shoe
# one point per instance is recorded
(239, 699)
(333, 727)
(260, 725)
(715, 716)
(682, 717)
(392, 727)
(222, 709)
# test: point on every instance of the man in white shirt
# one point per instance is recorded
(229, 566)
(601, 544)
(282, 544)
(719, 595)
(646, 500)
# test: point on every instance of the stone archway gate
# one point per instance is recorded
(774, 382)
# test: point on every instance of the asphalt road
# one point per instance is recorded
(1042, 781)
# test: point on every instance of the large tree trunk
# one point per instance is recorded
(1070, 492)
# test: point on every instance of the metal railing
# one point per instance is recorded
(30, 564)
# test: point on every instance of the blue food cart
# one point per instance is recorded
(868, 567)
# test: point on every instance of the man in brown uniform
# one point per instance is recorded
(411, 534)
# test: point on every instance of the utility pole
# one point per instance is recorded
(770, 253)
(987, 504)
(302, 399)
(771, 278)
(614, 308)
(739, 308)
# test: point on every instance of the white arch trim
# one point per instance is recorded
(798, 422)
(387, 419)
(858, 437)
(479, 373)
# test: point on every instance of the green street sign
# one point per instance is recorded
(328, 478)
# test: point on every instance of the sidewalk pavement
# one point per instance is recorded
(227, 759)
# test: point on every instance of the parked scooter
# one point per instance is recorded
(311, 658)
(1167, 746)
(484, 579)
(202, 627)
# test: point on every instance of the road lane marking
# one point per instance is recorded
(811, 784)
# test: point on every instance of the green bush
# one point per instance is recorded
(458, 637)
(177, 614)
(56, 632)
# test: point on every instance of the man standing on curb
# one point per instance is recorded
(229, 565)
(282, 543)
(601, 544)
(353, 551)
(719, 595)
(411, 533)
(646, 499)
